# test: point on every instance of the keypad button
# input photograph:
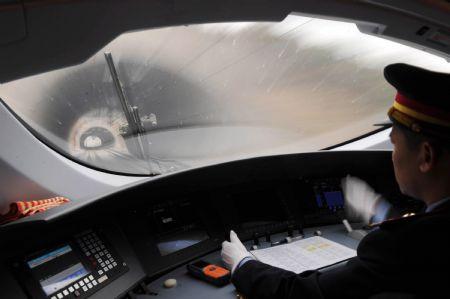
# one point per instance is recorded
(86, 280)
(94, 282)
(114, 264)
(89, 285)
(71, 289)
(110, 266)
(106, 269)
(102, 279)
(85, 288)
(100, 272)
(91, 277)
(81, 283)
(59, 295)
(76, 286)
(66, 292)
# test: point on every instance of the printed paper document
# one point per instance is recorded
(307, 254)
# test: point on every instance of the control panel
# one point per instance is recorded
(177, 225)
(264, 210)
(76, 268)
(322, 201)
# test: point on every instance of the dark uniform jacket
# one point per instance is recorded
(408, 257)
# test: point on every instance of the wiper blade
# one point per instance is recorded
(141, 144)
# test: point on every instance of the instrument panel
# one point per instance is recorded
(76, 268)
(169, 232)
(173, 230)
(141, 234)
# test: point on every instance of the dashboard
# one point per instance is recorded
(126, 244)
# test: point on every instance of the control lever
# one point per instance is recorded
(357, 234)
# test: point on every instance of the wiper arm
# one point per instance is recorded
(141, 144)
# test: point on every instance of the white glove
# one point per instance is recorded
(234, 251)
(361, 200)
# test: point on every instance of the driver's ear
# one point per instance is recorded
(427, 157)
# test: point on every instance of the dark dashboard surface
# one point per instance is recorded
(151, 231)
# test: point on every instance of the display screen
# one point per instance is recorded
(56, 269)
(178, 226)
(328, 194)
(333, 199)
(178, 241)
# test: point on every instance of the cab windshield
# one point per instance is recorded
(162, 100)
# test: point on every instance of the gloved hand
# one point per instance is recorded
(234, 251)
(361, 200)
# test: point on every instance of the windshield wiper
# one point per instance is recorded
(135, 127)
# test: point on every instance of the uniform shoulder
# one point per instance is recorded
(409, 219)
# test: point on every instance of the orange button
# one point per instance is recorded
(215, 271)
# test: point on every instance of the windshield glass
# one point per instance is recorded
(165, 99)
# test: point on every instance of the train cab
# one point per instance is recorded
(134, 135)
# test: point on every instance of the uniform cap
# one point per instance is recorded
(422, 103)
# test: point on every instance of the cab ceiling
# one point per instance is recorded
(42, 35)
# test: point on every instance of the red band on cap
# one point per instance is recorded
(424, 109)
